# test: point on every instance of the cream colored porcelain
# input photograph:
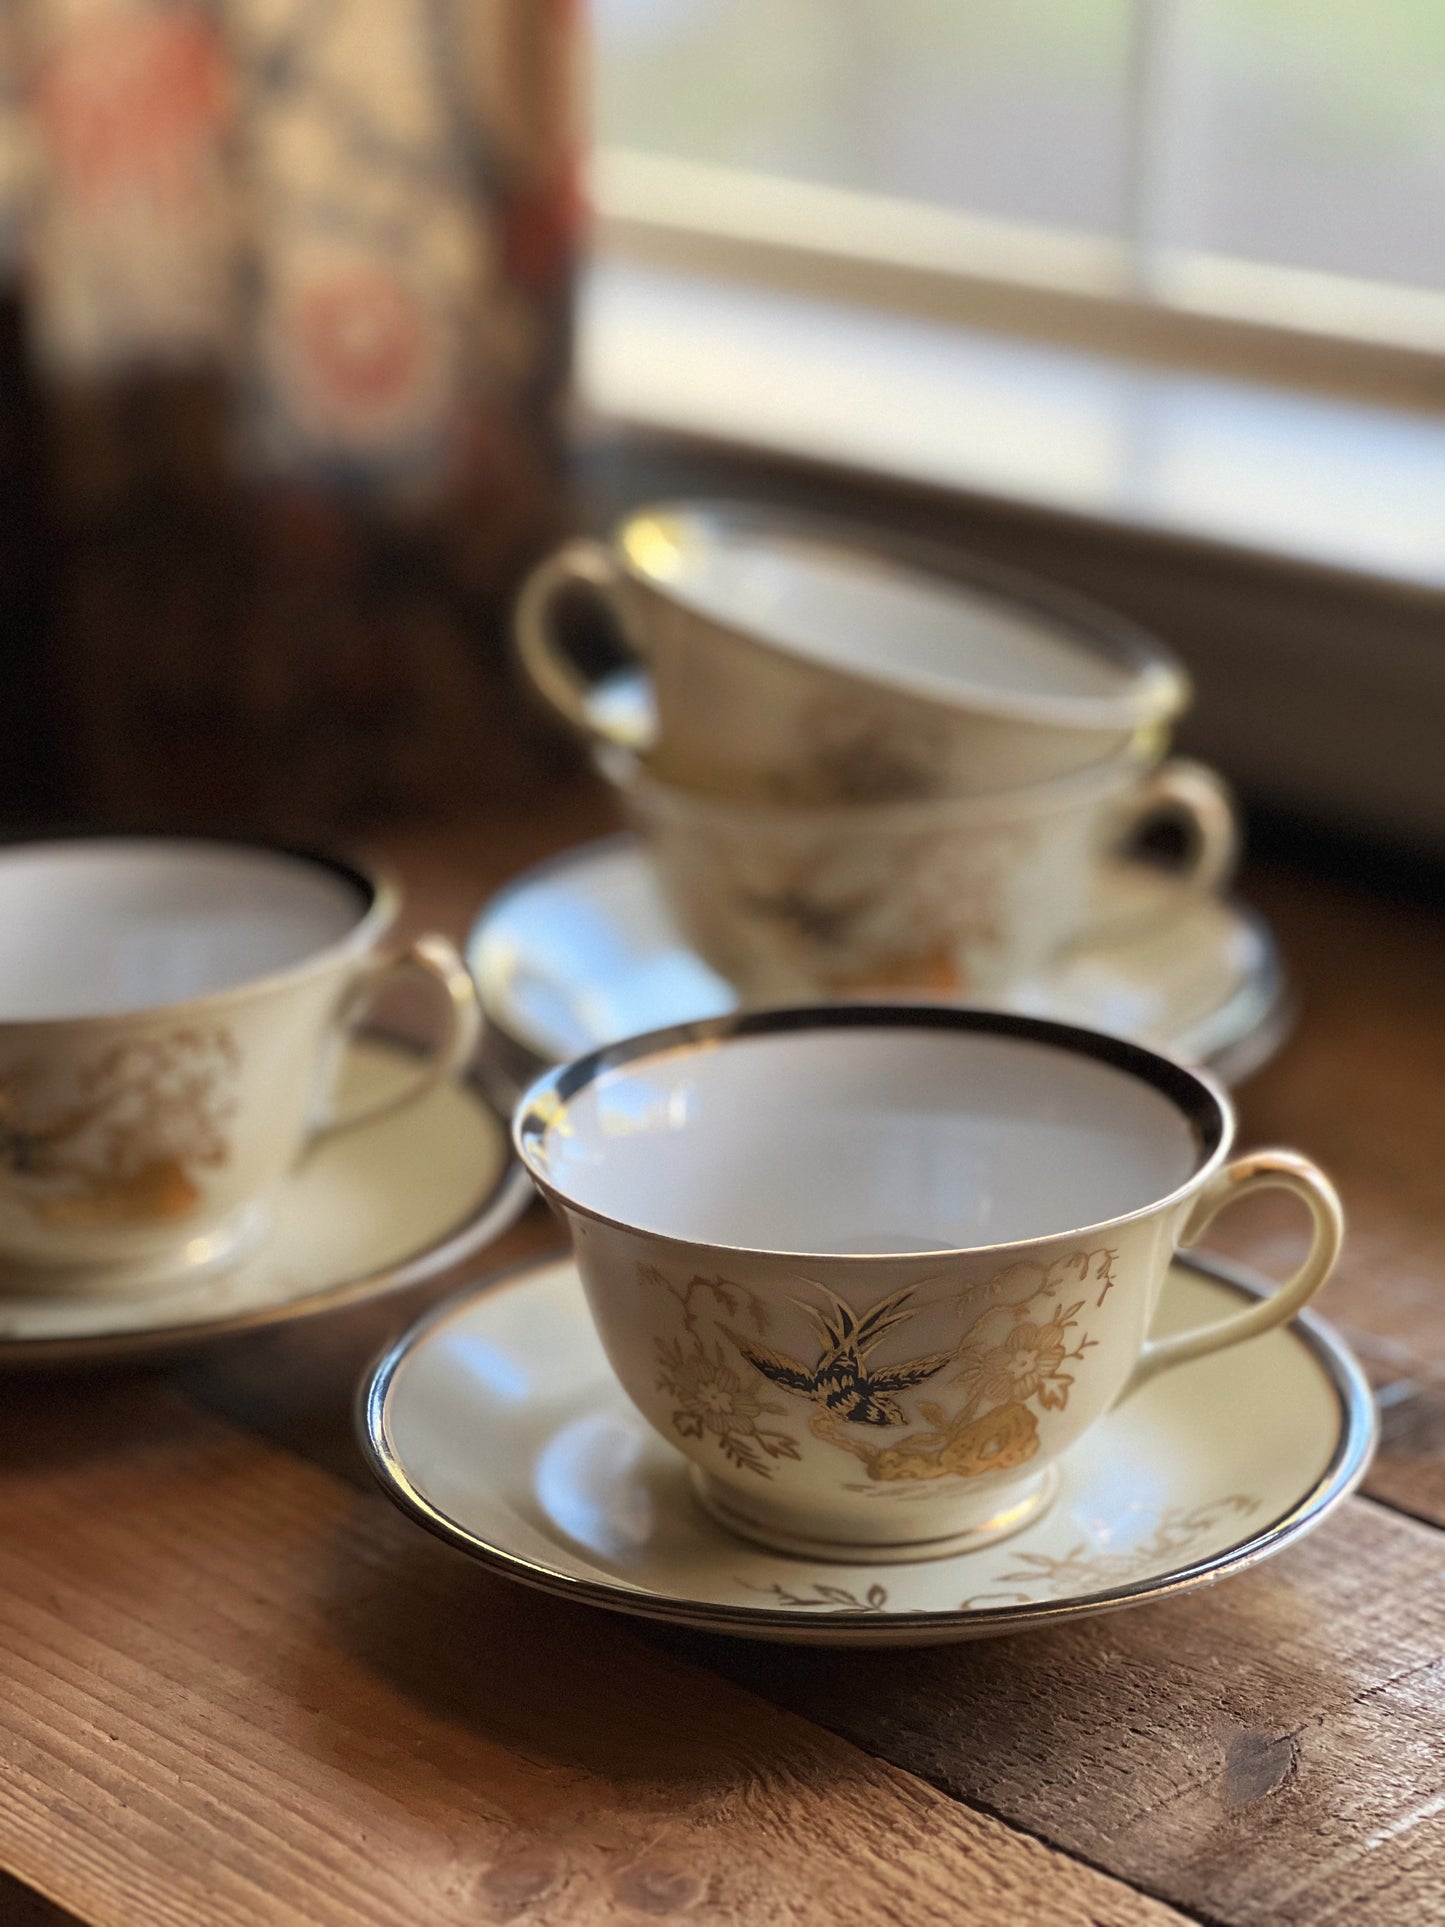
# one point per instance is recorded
(170, 1009)
(498, 1423)
(581, 951)
(966, 895)
(792, 659)
(876, 1268)
(368, 1212)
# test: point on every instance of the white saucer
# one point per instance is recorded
(497, 1423)
(377, 1208)
(581, 951)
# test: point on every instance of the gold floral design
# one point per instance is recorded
(1087, 1568)
(147, 1115)
(712, 1400)
(851, 753)
(1012, 1358)
(1025, 1363)
(911, 920)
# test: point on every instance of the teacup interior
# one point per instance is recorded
(831, 1141)
(858, 611)
(100, 925)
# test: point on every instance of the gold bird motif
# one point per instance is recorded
(842, 1381)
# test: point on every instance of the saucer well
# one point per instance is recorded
(581, 951)
(367, 1212)
(497, 1423)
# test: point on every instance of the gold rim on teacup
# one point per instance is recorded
(729, 700)
(866, 1388)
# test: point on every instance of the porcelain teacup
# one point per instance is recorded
(792, 659)
(965, 895)
(875, 1268)
(170, 1010)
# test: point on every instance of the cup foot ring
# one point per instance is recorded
(206, 1256)
(718, 1502)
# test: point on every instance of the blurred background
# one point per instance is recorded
(1289, 133)
(323, 319)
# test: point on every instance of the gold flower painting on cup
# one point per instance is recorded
(127, 1139)
(977, 1399)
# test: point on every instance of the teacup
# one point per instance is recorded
(875, 1269)
(170, 1010)
(792, 659)
(966, 895)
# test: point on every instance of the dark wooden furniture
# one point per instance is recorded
(240, 1688)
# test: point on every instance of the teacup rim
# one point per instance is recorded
(630, 774)
(381, 892)
(537, 1108)
(1158, 688)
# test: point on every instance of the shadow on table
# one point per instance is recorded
(562, 1685)
(62, 1418)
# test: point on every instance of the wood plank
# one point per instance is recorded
(1135, 1741)
(238, 1692)
(1268, 1733)
(1361, 1087)
(1265, 1752)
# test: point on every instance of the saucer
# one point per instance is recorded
(497, 1423)
(368, 1212)
(581, 951)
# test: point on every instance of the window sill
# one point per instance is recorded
(1300, 477)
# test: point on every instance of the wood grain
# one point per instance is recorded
(1264, 1753)
(1361, 1088)
(1261, 1753)
(238, 1692)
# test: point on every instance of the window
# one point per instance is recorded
(1274, 161)
(1148, 293)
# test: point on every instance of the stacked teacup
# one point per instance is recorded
(860, 768)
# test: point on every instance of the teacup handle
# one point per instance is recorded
(581, 564)
(434, 958)
(1190, 793)
(1257, 1171)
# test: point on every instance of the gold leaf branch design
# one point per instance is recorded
(824, 1598)
(728, 1296)
(1177, 1530)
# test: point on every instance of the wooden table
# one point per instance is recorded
(240, 1688)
